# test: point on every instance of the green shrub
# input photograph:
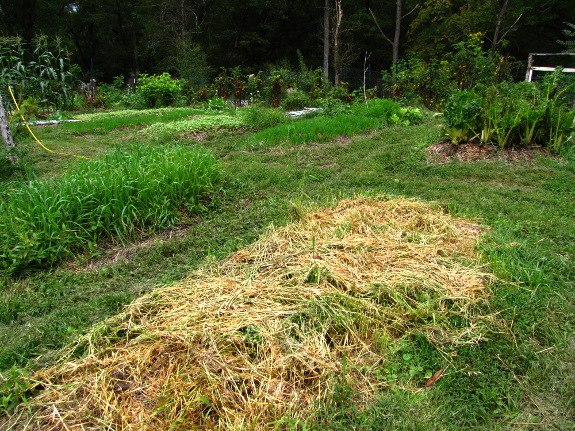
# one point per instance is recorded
(463, 115)
(127, 192)
(112, 94)
(341, 93)
(417, 80)
(276, 88)
(134, 100)
(333, 107)
(231, 85)
(295, 100)
(159, 90)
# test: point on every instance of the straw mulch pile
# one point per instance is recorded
(264, 334)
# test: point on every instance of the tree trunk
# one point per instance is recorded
(326, 41)
(499, 23)
(7, 134)
(395, 44)
(337, 42)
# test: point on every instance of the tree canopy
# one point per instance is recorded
(191, 38)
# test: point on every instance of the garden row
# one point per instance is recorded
(513, 114)
(473, 86)
(144, 188)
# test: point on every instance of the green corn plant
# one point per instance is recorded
(39, 73)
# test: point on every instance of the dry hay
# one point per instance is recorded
(263, 335)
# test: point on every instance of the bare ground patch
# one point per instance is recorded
(113, 252)
(447, 152)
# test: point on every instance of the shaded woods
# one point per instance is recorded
(194, 38)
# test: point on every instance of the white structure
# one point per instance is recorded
(531, 68)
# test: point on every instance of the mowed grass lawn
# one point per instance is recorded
(521, 375)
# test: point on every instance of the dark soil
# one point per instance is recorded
(447, 152)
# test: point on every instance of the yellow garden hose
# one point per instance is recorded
(32, 133)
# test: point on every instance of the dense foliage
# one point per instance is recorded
(126, 192)
(192, 39)
(512, 114)
(38, 75)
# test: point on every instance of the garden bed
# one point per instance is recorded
(266, 334)
(448, 152)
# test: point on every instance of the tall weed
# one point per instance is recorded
(337, 119)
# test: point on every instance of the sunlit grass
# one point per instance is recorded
(126, 192)
(521, 373)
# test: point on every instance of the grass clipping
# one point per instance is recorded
(264, 335)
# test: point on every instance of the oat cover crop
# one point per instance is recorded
(126, 192)
(264, 335)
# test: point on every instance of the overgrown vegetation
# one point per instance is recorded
(513, 114)
(430, 82)
(344, 318)
(41, 77)
(129, 191)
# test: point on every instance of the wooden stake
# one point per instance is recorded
(7, 134)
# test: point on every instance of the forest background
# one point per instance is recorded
(194, 39)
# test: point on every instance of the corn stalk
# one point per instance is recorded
(7, 138)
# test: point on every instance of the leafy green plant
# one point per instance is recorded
(276, 88)
(333, 107)
(296, 99)
(512, 114)
(378, 108)
(204, 123)
(341, 93)
(416, 80)
(231, 85)
(15, 388)
(262, 118)
(569, 32)
(158, 90)
(463, 115)
(113, 95)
